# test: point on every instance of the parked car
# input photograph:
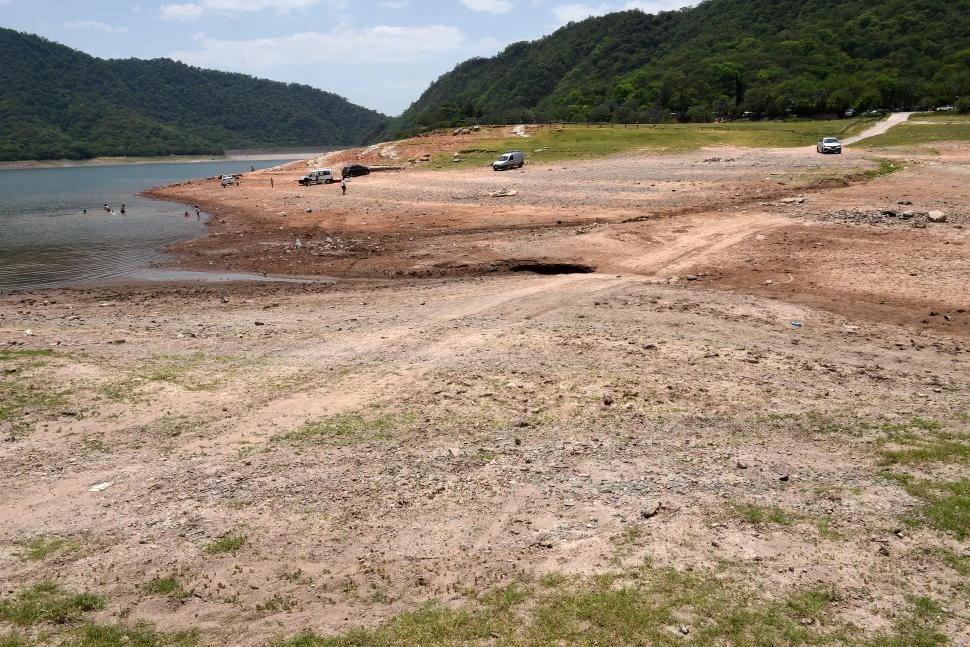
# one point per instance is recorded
(509, 159)
(829, 145)
(317, 176)
(226, 180)
(354, 170)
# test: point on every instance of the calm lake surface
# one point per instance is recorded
(46, 239)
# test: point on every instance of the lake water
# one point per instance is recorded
(46, 239)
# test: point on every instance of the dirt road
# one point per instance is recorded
(883, 126)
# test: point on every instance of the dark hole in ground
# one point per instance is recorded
(553, 268)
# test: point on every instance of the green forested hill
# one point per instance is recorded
(720, 58)
(57, 102)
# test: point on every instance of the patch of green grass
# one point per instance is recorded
(946, 504)
(923, 130)
(20, 397)
(141, 634)
(884, 166)
(61, 617)
(916, 422)
(919, 441)
(39, 548)
(229, 544)
(191, 372)
(123, 391)
(14, 354)
(642, 606)
(958, 562)
(916, 628)
(47, 603)
(826, 531)
(572, 142)
(761, 514)
(169, 586)
(639, 607)
(349, 429)
(13, 640)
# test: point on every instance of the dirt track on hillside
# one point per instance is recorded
(434, 424)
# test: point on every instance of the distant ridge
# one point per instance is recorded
(721, 58)
(59, 103)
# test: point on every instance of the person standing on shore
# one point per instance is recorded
(343, 185)
(122, 209)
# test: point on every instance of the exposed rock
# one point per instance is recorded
(652, 509)
(936, 216)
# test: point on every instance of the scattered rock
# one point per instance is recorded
(503, 193)
(652, 509)
(936, 216)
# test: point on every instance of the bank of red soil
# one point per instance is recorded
(724, 215)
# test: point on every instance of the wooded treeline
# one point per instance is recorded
(722, 58)
(59, 103)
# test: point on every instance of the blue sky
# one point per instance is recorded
(381, 54)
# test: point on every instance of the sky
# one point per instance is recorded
(380, 54)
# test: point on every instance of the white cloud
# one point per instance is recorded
(394, 4)
(580, 11)
(183, 12)
(383, 45)
(195, 11)
(575, 12)
(94, 26)
(282, 6)
(491, 6)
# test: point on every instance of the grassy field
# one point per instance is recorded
(925, 129)
(575, 142)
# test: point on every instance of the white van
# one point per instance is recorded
(317, 176)
(509, 159)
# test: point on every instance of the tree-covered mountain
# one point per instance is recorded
(720, 58)
(57, 102)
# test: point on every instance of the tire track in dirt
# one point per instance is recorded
(393, 359)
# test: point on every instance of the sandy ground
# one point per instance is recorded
(434, 423)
